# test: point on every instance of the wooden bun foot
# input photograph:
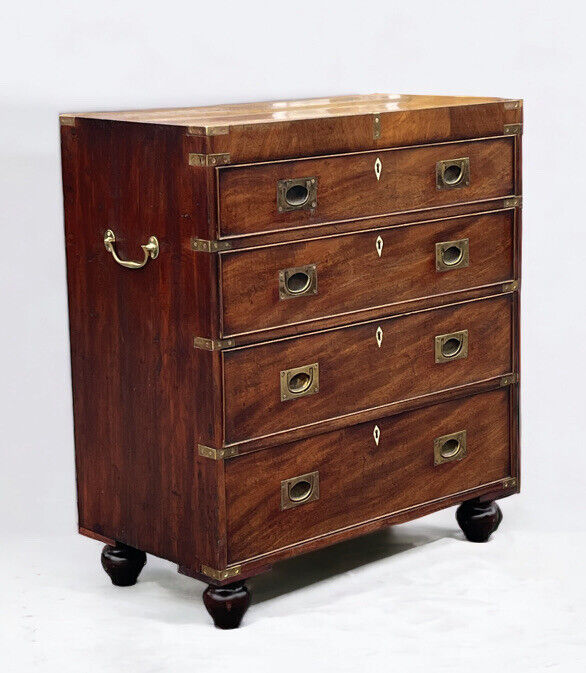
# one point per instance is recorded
(227, 604)
(478, 520)
(123, 564)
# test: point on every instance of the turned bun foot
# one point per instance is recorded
(478, 520)
(227, 604)
(123, 564)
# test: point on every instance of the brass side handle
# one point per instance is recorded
(150, 249)
(451, 255)
(452, 173)
(299, 490)
(298, 281)
(299, 381)
(449, 447)
(297, 194)
(452, 346)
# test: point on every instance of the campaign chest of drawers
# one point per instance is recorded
(291, 323)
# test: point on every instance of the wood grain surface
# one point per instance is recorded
(355, 374)
(348, 188)
(359, 480)
(352, 277)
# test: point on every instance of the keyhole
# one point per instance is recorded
(378, 167)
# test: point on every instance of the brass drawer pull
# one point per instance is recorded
(298, 281)
(151, 249)
(299, 490)
(296, 194)
(452, 173)
(449, 447)
(453, 346)
(452, 255)
(299, 382)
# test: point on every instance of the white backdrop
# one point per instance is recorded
(518, 597)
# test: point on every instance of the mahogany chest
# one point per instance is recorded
(291, 323)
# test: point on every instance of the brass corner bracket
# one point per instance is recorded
(511, 482)
(217, 454)
(208, 159)
(509, 380)
(513, 202)
(208, 130)
(65, 120)
(511, 286)
(220, 574)
(513, 129)
(201, 245)
(212, 344)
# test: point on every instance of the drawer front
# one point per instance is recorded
(343, 478)
(363, 366)
(361, 185)
(297, 282)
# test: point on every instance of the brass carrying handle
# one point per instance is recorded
(151, 249)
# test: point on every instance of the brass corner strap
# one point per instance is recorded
(513, 202)
(208, 159)
(220, 574)
(217, 454)
(511, 286)
(201, 245)
(64, 120)
(212, 344)
(513, 129)
(208, 130)
(509, 380)
(376, 127)
(510, 482)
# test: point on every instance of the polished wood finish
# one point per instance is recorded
(146, 399)
(247, 194)
(227, 604)
(285, 129)
(122, 563)
(356, 375)
(352, 278)
(397, 474)
(479, 520)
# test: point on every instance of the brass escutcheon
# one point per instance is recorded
(451, 255)
(299, 490)
(449, 447)
(453, 346)
(452, 173)
(298, 281)
(299, 382)
(296, 194)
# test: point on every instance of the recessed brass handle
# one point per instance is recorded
(452, 173)
(299, 490)
(453, 346)
(298, 281)
(151, 249)
(297, 194)
(449, 447)
(299, 382)
(451, 255)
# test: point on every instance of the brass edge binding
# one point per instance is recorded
(208, 159)
(66, 121)
(376, 127)
(217, 454)
(513, 202)
(508, 380)
(220, 574)
(212, 344)
(513, 129)
(201, 245)
(208, 130)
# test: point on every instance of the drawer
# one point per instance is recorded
(359, 185)
(281, 496)
(293, 382)
(285, 284)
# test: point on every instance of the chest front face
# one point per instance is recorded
(325, 340)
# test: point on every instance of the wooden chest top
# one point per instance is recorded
(314, 126)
